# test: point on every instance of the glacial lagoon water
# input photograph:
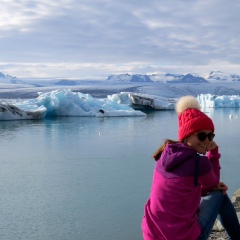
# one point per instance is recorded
(88, 178)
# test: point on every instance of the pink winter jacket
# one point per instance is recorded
(171, 211)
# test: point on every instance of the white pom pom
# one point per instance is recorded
(185, 103)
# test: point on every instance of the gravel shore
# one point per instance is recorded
(218, 235)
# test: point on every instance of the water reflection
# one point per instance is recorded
(59, 177)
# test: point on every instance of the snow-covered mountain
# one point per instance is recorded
(214, 76)
(222, 76)
(188, 78)
(10, 79)
(161, 84)
(163, 77)
(68, 82)
(129, 78)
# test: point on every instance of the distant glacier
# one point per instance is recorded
(166, 85)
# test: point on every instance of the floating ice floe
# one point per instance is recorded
(143, 100)
(12, 112)
(213, 101)
(65, 103)
(233, 116)
(157, 102)
(76, 104)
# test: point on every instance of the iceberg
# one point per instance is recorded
(65, 103)
(213, 101)
(10, 111)
(138, 100)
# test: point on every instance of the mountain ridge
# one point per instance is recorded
(163, 77)
(213, 76)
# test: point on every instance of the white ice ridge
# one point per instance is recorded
(158, 102)
(213, 101)
(67, 103)
(9, 111)
(145, 100)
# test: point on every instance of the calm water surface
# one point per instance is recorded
(89, 178)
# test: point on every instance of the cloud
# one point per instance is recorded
(84, 38)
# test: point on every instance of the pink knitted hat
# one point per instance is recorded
(190, 118)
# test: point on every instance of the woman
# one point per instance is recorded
(175, 209)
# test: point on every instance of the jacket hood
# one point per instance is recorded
(175, 154)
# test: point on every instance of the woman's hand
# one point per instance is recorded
(220, 187)
(212, 145)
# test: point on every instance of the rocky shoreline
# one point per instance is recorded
(218, 231)
(220, 235)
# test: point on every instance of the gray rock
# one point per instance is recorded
(218, 230)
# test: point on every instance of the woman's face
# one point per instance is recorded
(200, 140)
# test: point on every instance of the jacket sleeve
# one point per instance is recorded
(212, 177)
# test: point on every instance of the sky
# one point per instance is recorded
(92, 39)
